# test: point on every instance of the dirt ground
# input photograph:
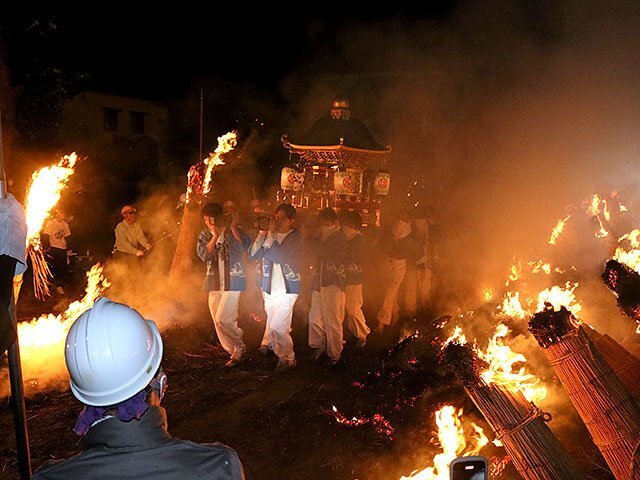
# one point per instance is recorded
(281, 424)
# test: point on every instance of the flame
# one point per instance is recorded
(487, 294)
(515, 272)
(500, 371)
(598, 208)
(622, 208)
(540, 266)
(226, 143)
(453, 443)
(44, 193)
(558, 229)
(558, 297)
(631, 257)
(511, 306)
(457, 336)
(42, 339)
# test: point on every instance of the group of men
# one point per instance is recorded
(283, 255)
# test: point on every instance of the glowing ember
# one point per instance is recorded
(226, 143)
(380, 424)
(622, 208)
(501, 360)
(558, 229)
(558, 296)
(42, 339)
(453, 443)
(44, 193)
(511, 306)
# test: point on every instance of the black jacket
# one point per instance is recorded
(144, 450)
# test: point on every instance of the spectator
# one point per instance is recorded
(114, 359)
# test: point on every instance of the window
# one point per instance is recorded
(137, 122)
(110, 119)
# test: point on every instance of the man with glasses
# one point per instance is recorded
(130, 240)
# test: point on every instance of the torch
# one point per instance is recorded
(605, 406)
(518, 423)
(199, 184)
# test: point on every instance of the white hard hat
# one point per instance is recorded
(112, 353)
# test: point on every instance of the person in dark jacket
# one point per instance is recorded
(221, 246)
(114, 359)
(279, 249)
(351, 224)
(326, 314)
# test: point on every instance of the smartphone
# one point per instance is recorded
(469, 468)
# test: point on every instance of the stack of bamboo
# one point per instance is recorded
(605, 406)
(624, 364)
(517, 423)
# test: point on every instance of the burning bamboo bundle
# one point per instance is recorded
(624, 282)
(605, 406)
(44, 193)
(199, 184)
(518, 423)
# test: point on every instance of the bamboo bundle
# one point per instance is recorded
(605, 406)
(624, 364)
(517, 423)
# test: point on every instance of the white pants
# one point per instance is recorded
(418, 286)
(223, 307)
(277, 332)
(394, 274)
(353, 306)
(325, 321)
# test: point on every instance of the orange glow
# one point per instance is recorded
(501, 360)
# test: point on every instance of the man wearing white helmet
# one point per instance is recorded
(113, 356)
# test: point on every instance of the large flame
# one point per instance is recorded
(44, 193)
(558, 297)
(42, 339)
(501, 360)
(453, 443)
(226, 143)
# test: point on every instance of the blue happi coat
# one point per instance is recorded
(287, 254)
(231, 251)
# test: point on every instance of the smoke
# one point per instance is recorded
(505, 115)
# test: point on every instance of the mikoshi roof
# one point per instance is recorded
(336, 137)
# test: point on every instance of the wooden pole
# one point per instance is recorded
(15, 367)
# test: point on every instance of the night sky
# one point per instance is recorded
(146, 49)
